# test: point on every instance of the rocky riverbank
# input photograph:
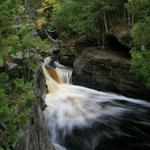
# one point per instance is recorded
(108, 71)
(35, 135)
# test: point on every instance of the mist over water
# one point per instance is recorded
(70, 108)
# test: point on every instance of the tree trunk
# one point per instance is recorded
(28, 74)
(103, 36)
(105, 22)
(124, 15)
(129, 23)
(132, 18)
(24, 67)
(109, 20)
(99, 43)
(103, 41)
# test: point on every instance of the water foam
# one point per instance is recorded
(70, 106)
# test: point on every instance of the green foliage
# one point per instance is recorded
(11, 44)
(141, 50)
(15, 108)
(17, 34)
(7, 130)
(4, 81)
(81, 16)
(34, 3)
(29, 41)
(140, 35)
(8, 8)
(141, 65)
(25, 88)
(140, 8)
(23, 101)
(4, 108)
(17, 31)
(69, 15)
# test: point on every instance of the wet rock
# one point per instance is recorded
(2, 68)
(35, 135)
(67, 60)
(53, 46)
(17, 56)
(104, 74)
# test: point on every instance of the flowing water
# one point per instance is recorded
(82, 118)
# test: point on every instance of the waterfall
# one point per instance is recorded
(81, 118)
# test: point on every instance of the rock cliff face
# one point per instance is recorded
(35, 135)
(122, 33)
(108, 75)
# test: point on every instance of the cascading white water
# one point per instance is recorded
(69, 106)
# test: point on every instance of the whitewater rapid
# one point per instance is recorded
(70, 107)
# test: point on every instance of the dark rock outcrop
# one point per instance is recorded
(107, 75)
(122, 33)
(35, 135)
(67, 60)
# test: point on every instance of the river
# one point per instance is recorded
(79, 118)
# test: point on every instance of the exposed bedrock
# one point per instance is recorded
(35, 135)
(103, 73)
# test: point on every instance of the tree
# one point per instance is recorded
(137, 9)
(15, 108)
(141, 65)
(18, 34)
(141, 50)
(84, 17)
(141, 38)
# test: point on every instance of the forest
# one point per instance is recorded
(31, 29)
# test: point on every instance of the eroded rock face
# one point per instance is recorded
(122, 33)
(35, 135)
(104, 74)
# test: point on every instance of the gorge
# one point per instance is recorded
(82, 118)
(74, 74)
